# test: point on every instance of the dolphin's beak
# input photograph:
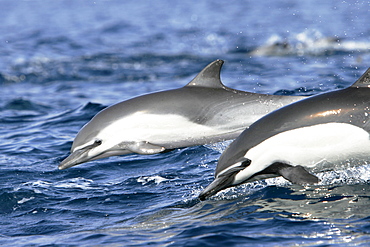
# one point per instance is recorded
(75, 158)
(217, 185)
(78, 156)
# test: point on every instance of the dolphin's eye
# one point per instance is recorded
(97, 142)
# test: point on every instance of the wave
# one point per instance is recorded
(100, 67)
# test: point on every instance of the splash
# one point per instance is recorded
(309, 42)
(147, 179)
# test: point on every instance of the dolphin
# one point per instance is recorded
(316, 133)
(321, 46)
(204, 111)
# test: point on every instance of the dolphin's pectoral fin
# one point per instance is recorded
(143, 147)
(295, 174)
(167, 150)
(298, 175)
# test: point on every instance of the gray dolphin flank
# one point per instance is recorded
(204, 111)
(325, 129)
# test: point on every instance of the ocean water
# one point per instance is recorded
(63, 61)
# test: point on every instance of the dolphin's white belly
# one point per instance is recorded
(167, 129)
(309, 146)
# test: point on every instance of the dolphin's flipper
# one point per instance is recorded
(142, 147)
(295, 174)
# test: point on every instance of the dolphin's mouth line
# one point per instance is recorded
(71, 159)
(76, 157)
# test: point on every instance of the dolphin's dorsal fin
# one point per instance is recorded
(364, 80)
(209, 76)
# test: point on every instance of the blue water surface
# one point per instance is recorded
(63, 61)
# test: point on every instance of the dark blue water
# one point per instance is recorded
(63, 61)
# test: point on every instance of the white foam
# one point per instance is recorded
(156, 179)
(219, 146)
(23, 200)
(81, 183)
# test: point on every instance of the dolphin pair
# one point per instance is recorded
(314, 133)
(204, 111)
